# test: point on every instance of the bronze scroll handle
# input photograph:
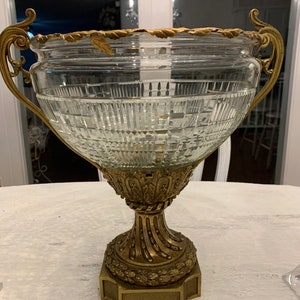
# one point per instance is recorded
(271, 65)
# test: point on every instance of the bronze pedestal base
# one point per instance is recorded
(185, 289)
(150, 261)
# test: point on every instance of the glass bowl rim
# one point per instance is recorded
(248, 37)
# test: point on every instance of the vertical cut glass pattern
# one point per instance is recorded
(147, 124)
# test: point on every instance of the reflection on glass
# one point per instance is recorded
(131, 14)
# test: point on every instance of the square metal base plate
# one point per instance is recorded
(185, 289)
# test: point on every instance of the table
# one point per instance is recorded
(53, 237)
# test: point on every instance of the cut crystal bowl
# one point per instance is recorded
(145, 102)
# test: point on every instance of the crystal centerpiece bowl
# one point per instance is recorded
(145, 107)
(152, 102)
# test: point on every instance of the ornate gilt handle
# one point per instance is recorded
(17, 36)
(271, 65)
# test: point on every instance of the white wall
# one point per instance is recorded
(289, 170)
(13, 166)
(155, 14)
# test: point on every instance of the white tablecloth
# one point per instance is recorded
(53, 237)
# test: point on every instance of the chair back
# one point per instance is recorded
(223, 162)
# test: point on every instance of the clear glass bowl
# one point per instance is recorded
(145, 102)
(292, 279)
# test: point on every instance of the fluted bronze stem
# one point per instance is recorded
(150, 254)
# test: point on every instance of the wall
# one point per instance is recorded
(13, 167)
(289, 170)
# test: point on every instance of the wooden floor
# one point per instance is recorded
(65, 166)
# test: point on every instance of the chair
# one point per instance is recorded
(252, 126)
(222, 168)
(223, 162)
(269, 136)
(257, 121)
